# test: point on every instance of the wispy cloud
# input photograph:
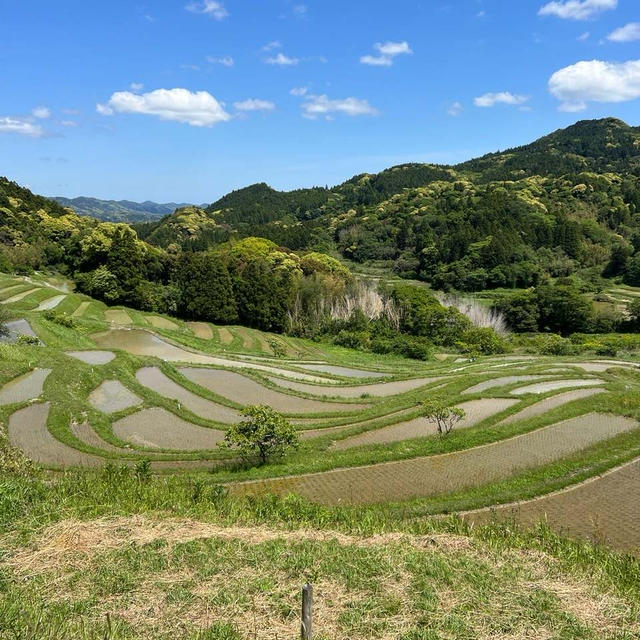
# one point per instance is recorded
(503, 97)
(299, 91)
(629, 33)
(254, 104)
(270, 46)
(282, 60)
(595, 81)
(199, 109)
(322, 106)
(211, 8)
(387, 51)
(136, 86)
(455, 109)
(225, 61)
(42, 113)
(577, 9)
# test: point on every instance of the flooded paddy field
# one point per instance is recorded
(603, 509)
(546, 387)
(27, 387)
(159, 429)
(93, 357)
(112, 397)
(476, 411)
(246, 391)
(157, 381)
(447, 473)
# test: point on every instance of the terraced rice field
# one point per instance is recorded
(19, 296)
(160, 399)
(162, 323)
(117, 316)
(26, 387)
(50, 303)
(243, 390)
(452, 472)
(112, 397)
(603, 509)
(158, 429)
(201, 330)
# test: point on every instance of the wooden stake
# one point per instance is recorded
(306, 632)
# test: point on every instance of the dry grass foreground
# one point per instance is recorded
(175, 577)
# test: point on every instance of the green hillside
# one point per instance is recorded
(560, 206)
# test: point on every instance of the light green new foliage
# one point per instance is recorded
(264, 433)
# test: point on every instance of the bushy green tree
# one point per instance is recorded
(263, 434)
(442, 415)
(563, 309)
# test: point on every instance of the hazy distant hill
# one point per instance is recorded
(119, 210)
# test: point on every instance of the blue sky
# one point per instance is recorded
(184, 100)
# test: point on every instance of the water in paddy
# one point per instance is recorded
(144, 343)
(93, 357)
(16, 329)
(112, 396)
(545, 387)
(345, 372)
(603, 509)
(26, 387)
(447, 473)
(50, 303)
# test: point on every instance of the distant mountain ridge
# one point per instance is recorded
(119, 210)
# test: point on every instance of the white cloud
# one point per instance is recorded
(299, 91)
(225, 61)
(377, 61)
(42, 113)
(629, 33)
(595, 81)
(584, 37)
(69, 123)
(282, 60)
(270, 46)
(388, 51)
(504, 97)
(254, 104)
(577, 9)
(210, 8)
(136, 86)
(455, 109)
(316, 106)
(20, 126)
(199, 109)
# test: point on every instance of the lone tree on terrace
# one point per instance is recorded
(442, 415)
(264, 433)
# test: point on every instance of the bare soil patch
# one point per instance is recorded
(117, 316)
(201, 330)
(162, 323)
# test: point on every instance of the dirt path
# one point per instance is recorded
(441, 474)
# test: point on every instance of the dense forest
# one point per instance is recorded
(566, 204)
(549, 221)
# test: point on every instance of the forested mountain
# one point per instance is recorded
(567, 203)
(118, 210)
